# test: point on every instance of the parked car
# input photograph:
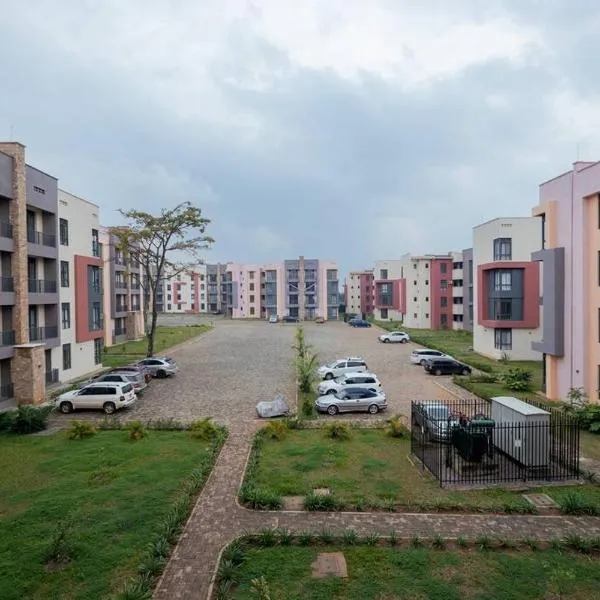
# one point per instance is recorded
(435, 420)
(359, 323)
(142, 370)
(394, 337)
(290, 319)
(217, 312)
(137, 380)
(350, 316)
(160, 366)
(446, 366)
(349, 381)
(273, 319)
(108, 396)
(320, 320)
(355, 400)
(352, 364)
(419, 357)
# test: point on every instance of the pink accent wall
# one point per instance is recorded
(367, 292)
(437, 293)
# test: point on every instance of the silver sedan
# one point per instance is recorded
(352, 400)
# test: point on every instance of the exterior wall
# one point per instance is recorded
(245, 281)
(82, 217)
(388, 276)
(468, 277)
(417, 273)
(458, 291)
(570, 209)
(525, 234)
(441, 292)
(359, 292)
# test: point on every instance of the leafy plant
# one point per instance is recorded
(7, 418)
(371, 539)
(393, 538)
(577, 543)
(337, 431)
(397, 427)
(305, 539)
(81, 430)
(204, 429)
(267, 537)
(350, 537)
(31, 419)
(326, 537)
(517, 379)
(275, 430)
(285, 537)
(480, 365)
(259, 498)
(136, 430)
(483, 378)
(484, 542)
(532, 542)
(519, 507)
(293, 422)
(317, 502)
(260, 588)
(306, 365)
(60, 549)
(308, 406)
(505, 358)
(461, 541)
(438, 542)
(574, 503)
(577, 398)
(416, 542)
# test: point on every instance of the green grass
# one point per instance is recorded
(373, 470)
(420, 574)
(114, 491)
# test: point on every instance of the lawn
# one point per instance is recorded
(373, 470)
(376, 573)
(165, 338)
(113, 491)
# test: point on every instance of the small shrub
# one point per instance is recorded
(577, 398)
(326, 537)
(7, 419)
(81, 430)
(204, 429)
(305, 539)
(532, 542)
(505, 543)
(461, 541)
(306, 366)
(397, 427)
(267, 537)
(577, 543)
(316, 502)
(393, 538)
(371, 539)
(293, 422)
(337, 431)
(438, 542)
(484, 542)
(308, 406)
(557, 544)
(389, 504)
(483, 378)
(360, 505)
(60, 549)
(285, 537)
(416, 542)
(260, 588)
(151, 566)
(574, 503)
(260, 499)
(275, 430)
(519, 507)
(481, 366)
(517, 379)
(350, 537)
(31, 419)
(136, 431)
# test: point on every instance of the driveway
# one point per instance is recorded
(402, 381)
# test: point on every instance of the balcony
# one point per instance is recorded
(41, 334)
(120, 260)
(135, 286)
(52, 376)
(6, 229)
(7, 338)
(7, 391)
(97, 325)
(41, 238)
(96, 249)
(7, 284)
(42, 286)
(121, 308)
(120, 285)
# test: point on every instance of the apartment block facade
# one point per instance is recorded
(359, 292)
(184, 292)
(389, 303)
(468, 310)
(507, 288)
(569, 257)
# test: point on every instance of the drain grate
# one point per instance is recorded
(540, 500)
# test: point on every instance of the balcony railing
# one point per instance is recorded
(52, 376)
(7, 338)
(120, 260)
(121, 308)
(96, 249)
(7, 284)
(7, 391)
(135, 307)
(120, 284)
(135, 286)
(42, 286)
(39, 237)
(40, 334)
(97, 325)
(6, 230)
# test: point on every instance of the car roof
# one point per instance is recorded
(421, 350)
(102, 383)
(362, 374)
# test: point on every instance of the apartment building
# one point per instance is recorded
(80, 292)
(359, 292)
(123, 294)
(467, 290)
(389, 303)
(569, 257)
(507, 287)
(183, 292)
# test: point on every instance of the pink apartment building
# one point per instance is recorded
(569, 207)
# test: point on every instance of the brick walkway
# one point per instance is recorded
(217, 519)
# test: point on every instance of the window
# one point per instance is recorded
(503, 249)
(383, 273)
(98, 344)
(414, 315)
(427, 282)
(39, 190)
(94, 279)
(66, 351)
(414, 282)
(168, 286)
(414, 299)
(64, 274)
(457, 283)
(414, 265)
(444, 319)
(96, 320)
(444, 284)
(252, 310)
(179, 307)
(443, 302)
(457, 265)
(502, 281)
(251, 287)
(168, 307)
(252, 298)
(65, 309)
(64, 232)
(503, 339)
(251, 275)
(168, 296)
(443, 268)
(384, 313)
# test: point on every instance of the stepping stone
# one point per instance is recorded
(292, 503)
(322, 492)
(329, 564)
(541, 501)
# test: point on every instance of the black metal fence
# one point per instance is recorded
(463, 443)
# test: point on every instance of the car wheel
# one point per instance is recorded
(386, 341)
(330, 392)
(438, 372)
(465, 372)
(161, 374)
(329, 376)
(332, 410)
(109, 408)
(423, 362)
(373, 409)
(405, 341)
(66, 408)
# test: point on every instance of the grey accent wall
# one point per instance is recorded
(94, 295)
(47, 201)
(6, 165)
(468, 309)
(553, 292)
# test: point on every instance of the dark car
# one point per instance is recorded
(435, 419)
(446, 366)
(350, 316)
(290, 319)
(217, 312)
(359, 323)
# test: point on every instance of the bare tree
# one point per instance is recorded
(150, 241)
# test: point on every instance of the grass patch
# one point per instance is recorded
(372, 471)
(77, 517)
(377, 573)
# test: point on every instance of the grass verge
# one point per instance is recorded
(278, 565)
(96, 517)
(372, 471)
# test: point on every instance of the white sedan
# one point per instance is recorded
(398, 337)
(349, 381)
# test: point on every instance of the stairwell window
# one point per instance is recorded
(64, 232)
(503, 249)
(503, 339)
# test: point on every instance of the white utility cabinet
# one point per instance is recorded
(522, 431)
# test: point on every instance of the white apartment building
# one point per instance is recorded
(458, 291)
(388, 290)
(81, 336)
(506, 288)
(417, 273)
(359, 292)
(185, 292)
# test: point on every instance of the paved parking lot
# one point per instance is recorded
(226, 372)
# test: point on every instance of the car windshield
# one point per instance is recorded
(438, 413)
(341, 395)
(331, 365)
(126, 388)
(340, 379)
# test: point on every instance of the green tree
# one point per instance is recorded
(156, 243)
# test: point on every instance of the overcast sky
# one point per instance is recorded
(338, 129)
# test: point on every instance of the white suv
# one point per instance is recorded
(352, 364)
(367, 381)
(420, 357)
(398, 337)
(108, 396)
